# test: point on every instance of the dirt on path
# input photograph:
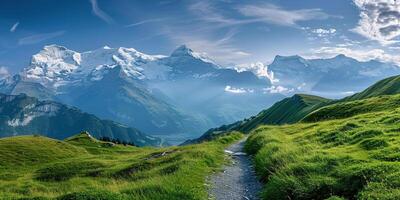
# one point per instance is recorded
(237, 181)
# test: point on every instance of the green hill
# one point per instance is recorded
(386, 86)
(348, 109)
(82, 168)
(30, 150)
(287, 111)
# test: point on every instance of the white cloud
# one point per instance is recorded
(270, 13)
(278, 89)
(234, 90)
(379, 20)
(258, 69)
(14, 27)
(33, 39)
(146, 22)
(359, 54)
(4, 72)
(324, 32)
(100, 13)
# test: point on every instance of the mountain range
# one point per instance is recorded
(181, 93)
(184, 93)
(333, 77)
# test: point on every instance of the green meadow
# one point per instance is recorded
(81, 167)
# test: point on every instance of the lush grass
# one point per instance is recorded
(351, 158)
(347, 109)
(287, 111)
(85, 168)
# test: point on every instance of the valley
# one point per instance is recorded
(199, 100)
(322, 149)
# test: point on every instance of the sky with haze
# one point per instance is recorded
(228, 31)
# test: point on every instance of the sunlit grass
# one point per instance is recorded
(35, 167)
(350, 158)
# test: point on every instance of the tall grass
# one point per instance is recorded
(352, 158)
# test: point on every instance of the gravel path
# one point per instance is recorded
(238, 180)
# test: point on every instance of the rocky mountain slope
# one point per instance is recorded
(24, 115)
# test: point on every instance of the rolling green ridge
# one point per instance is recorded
(81, 167)
(386, 86)
(288, 110)
(294, 109)
(351, 108)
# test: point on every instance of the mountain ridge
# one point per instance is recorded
(24, 115)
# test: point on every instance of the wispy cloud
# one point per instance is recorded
(264, 13)
(273, 14)
(14, 27)
(100, 13)
(206, 11)
(146, 22)
(212, 18)
(379, 20)
(33, 39)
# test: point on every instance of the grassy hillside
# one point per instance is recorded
(347, 109)
(30, 150)
(82, 167)
(386, 86)
(289, 110)
(357, 157)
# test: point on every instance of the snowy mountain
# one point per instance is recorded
(333, 77)
(185, 92)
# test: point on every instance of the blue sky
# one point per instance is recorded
(230, 32)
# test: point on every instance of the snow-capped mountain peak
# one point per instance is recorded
(55, 65)
(51, 64)
(184, 51)
(294, 58)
